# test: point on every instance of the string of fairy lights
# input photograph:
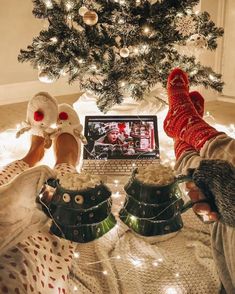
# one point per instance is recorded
(124, 52)
(11, 151)
(139, 263)
(189, 26)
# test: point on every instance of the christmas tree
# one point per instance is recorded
(115, 47)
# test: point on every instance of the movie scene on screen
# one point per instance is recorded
(121, 139)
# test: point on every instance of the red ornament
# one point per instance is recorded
(38, 115)
(63, 116)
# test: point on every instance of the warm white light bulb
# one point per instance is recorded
(75, 288)
(171, 290)
(63, 72)
(212, 78)
(136, 262)
(146, 30)
(145, 47)
(116, 195)
(48, 4)
(76, 254)
(194, 72)
(180, 14)
(121, 21)
(105, 273)
(69, 6)
(155, 263)
(136, 50)
(93, 67)
(54, 39)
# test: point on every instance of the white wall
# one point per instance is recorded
(228, 52)
(208, 58)
(17, 29)
(223, 60)
(19, 81)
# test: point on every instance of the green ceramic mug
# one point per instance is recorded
(80, 215)
(152, 210)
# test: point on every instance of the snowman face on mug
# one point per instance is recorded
(78, 199)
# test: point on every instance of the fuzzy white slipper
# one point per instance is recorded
(42, 113)
(69, 122)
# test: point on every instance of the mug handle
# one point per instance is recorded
(52, 182)
(181, 179)
(46, 207)
(189, 204)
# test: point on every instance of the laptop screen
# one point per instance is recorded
(121, 137)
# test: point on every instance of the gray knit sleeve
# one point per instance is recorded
(216, 179)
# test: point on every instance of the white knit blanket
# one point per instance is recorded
(121, 262)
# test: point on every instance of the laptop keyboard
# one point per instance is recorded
(115, 167)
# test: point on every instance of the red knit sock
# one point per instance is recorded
(179, 145)
(182, 120)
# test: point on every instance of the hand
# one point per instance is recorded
(46, 194)
(202, 209)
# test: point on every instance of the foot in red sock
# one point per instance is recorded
(183, 121)
(198, 102)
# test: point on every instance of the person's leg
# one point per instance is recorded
(183, 123)
(185, 150)
(181, 146)
(42, 261)
(67, 152)
(36, 151)
(33, 156)
(182, 120)
(222, 236)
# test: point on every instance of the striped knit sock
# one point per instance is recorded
(183, 121)
(179, 145)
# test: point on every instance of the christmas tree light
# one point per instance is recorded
(104, 44)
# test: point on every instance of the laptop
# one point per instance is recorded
(119, 144)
